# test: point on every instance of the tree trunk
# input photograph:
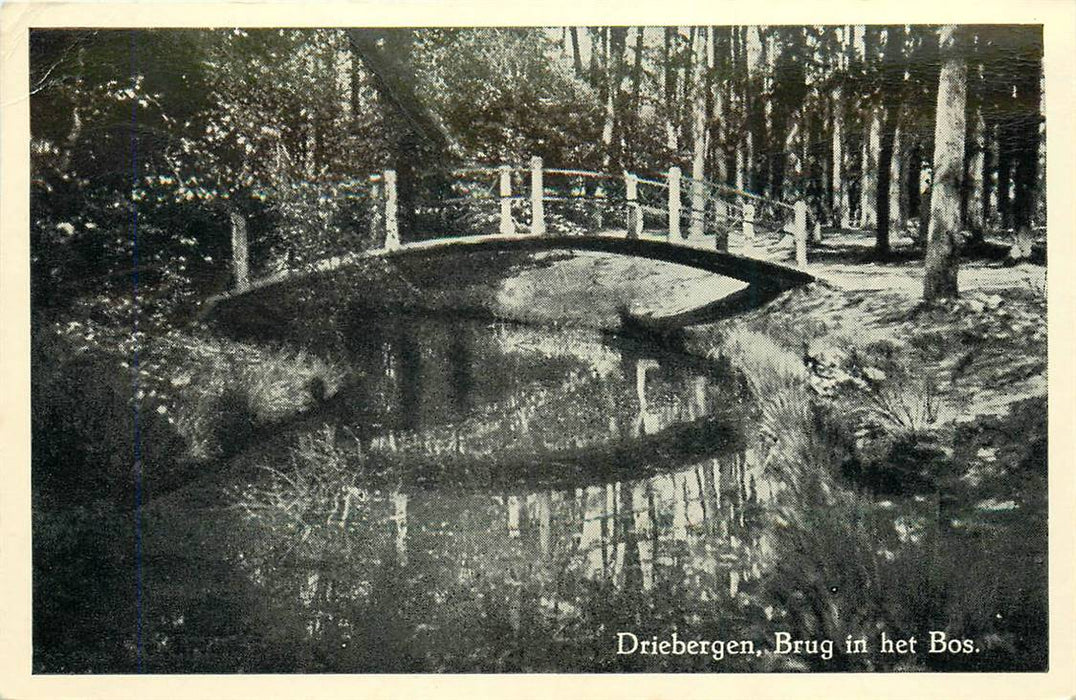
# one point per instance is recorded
(610, 83)
(990, 166)
(1003, 186)
(740, 177)
(75, 132)
(892, 87)
(577, 56)
(719, 44)
(770, 142)
(840, 190)
(924, 185)
(594, 67)
(904, 189)
(943, 234)
(868, 192)
(885, 178)
(672, 140)
(896, 178)
(698, 132)
(417, 137)
(756, 110)
(976, 155)
(636, 98)
(356, 87)
(1026, 147)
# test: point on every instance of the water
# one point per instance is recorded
(444, 400)
(473, 498)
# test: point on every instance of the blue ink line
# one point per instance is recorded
(135, 365)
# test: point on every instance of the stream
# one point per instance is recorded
(473, 485)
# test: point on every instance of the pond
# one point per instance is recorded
(471, 498)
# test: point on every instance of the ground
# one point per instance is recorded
(987, 349)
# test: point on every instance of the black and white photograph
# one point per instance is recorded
(601, 349)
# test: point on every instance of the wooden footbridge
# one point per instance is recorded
(720, 229)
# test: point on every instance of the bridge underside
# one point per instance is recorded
(766, 277)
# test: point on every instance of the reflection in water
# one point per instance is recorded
(496, 389)
(695, 529)
(624, 479)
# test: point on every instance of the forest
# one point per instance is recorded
(266, 437)
(282, 128)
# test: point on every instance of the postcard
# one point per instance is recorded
(395, 349)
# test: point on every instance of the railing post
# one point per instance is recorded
(635, 211)
(537, 197)
(800, 230)
(748, 225)
(674, 202)
(392, 224)
(721, 225)
(240, 251)
(597, 211)
(698, 209)
(507, 227)
(377, 213)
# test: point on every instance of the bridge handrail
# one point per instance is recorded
(739, 193)
(580, 173)
(487, 169)
(652, 183)
(384, 194)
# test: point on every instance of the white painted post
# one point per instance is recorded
(801, 233)
(537, 197)
(721, 225)
(674, 202)
(698, 210)
(635, 211)
(240, 251)
(598, 215)
(377, 214)
(748, 225)
(507, 227)
(392, 224)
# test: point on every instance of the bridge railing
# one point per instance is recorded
(749, 222)
(533, 199)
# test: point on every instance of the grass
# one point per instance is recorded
(227, 402)
(844, 424)
(321, 482)
(189, 400)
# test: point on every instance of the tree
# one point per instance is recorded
(417, 136)
(1025, 130)
(699, 133)
(841, 207)
(943, 234)
(872, 127)
(892, 78)
(669, 71)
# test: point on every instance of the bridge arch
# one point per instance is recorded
(764, 278)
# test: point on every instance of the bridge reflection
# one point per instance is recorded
(426, 388)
